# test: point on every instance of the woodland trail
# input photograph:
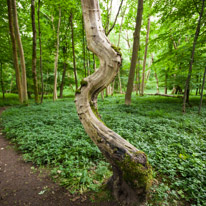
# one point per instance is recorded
(21, 184)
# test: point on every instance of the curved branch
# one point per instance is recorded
(131, 172)
(112, 27)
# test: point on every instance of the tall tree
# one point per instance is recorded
(145, 58)
(135, 51)
(14, 50)
(64, 48)
(118, 43)
(187, 85)
(56, 57)
(40, 53)
(131, 178)
(36, 93)
(21, 53)
(73, 51)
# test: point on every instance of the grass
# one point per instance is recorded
(175, 143)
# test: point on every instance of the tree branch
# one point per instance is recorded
(120, 6)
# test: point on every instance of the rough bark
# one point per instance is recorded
(145, 58)
(56, 58)
(131, 171)
(136, 43)
(40, 53)
(21, 53)
(73, 51)
(14, 51)
(187, 85)
(201, 95)
(36, 93)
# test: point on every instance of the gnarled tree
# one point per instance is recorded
(132, 173)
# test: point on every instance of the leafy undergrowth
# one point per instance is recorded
(175, 144)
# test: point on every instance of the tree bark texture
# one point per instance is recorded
(145, 58)
(73, 51)
(131, 171)
(201, 95)
(56, 58)
(21, 53)
(187, 85)
(14, 50)
(36, 93)
(40, 53)
(135, 51)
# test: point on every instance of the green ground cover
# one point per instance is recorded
(51, 134)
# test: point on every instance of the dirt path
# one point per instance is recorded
(22, 185)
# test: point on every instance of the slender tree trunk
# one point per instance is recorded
(147, 77)
(112, 27)
(73, 50)
(2, 81)
(134, 53)
(138, 76)
(113, 86)
(201, 95)
(131, 178)
(109, 11)
(120, 31)
(94, 63)
(56, 58)
(145, 57)
(102, 95)
(21, 53)
(157, 83)
(128, 42)
(198, 85)
(84, 52)
(36, 93)
(192, 59)
(14, 50)
(40, 53)
(64, 72)
(166, 76)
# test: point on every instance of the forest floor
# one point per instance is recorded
(22, 184)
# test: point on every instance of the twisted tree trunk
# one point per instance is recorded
(132, 177)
